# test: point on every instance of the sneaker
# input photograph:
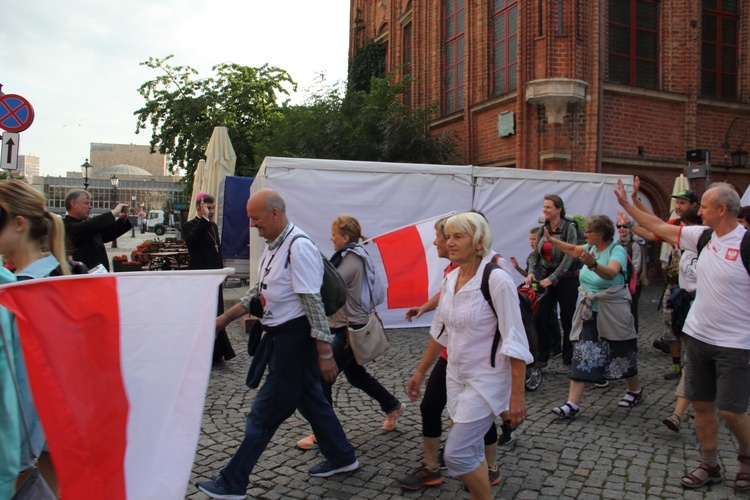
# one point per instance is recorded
(507, 434)
(392, 417)
(214, 489)
(308, 443)
(543, 365)
(422, 478)
(662, 346)
(495, 476)
(327, 469)
(563, 370)
(441, 459)
(674, 371)
(555, 354)
(602, 384)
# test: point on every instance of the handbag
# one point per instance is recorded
(370, 341)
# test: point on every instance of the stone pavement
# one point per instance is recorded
(607, 452)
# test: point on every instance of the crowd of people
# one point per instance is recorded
(588, 279)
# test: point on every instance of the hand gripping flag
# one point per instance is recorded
(411, 264)
(118, 366)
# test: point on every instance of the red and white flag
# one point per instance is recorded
(412, 267)
(119, 366)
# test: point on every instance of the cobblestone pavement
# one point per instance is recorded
(607, 452)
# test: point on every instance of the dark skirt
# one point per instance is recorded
(596, 359)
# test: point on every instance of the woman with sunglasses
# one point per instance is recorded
(33, 241)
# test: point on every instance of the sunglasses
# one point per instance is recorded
(622, 226)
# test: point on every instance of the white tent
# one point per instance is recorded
(385, 196)
(746, 197)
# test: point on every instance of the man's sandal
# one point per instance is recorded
(693, 480)
(565, 411)
(742, 481)
(673, 422)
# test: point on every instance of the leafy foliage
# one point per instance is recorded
(363, 125)
(182, 110)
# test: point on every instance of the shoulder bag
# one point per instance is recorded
(370, 341)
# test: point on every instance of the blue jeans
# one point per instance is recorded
(357, 375)
(314, 408)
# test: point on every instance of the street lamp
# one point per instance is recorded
(132, 213)
(85, 171)
(115, 183)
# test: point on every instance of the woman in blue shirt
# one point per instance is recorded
(603, 331)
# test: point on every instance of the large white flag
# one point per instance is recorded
(119, 366)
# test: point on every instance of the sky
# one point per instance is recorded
(77, 62)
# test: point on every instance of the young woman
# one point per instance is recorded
(33, 240)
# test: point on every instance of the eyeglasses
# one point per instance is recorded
(622, 226)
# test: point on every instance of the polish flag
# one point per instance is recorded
(412, 267)
(119, 366)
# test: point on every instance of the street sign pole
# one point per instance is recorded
(9, 159)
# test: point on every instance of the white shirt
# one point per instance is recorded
(721, 311)
(475, 389)
(282, 281)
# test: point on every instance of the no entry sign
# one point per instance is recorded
(16, 113)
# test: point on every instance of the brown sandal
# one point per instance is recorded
(691, 481)
(743, 477)
(673, 422)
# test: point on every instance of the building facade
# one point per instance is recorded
(28, 167)
(610, 86)
(106, 155)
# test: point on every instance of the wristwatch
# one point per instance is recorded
(593, 266)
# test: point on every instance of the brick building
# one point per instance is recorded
(613, 86)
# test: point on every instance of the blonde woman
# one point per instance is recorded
(33, 240)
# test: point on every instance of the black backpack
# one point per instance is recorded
(333, 289)
(527, 314)
(744, 246)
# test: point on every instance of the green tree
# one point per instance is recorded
(367, 124)
(182, 110)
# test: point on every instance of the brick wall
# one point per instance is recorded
(618, 129)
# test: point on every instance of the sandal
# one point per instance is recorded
(673, 422)
(565, 411)
(630, 399)
(742, 477)
(692, 481)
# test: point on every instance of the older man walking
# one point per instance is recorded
(718, 349)
(295, 345)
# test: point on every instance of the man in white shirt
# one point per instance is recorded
(718, 349)
(295, 345)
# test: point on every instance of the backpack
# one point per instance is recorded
(333, 289)
(744, 246)
(525, 306)
(642, 279)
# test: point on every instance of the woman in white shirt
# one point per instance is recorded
(466, 324)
